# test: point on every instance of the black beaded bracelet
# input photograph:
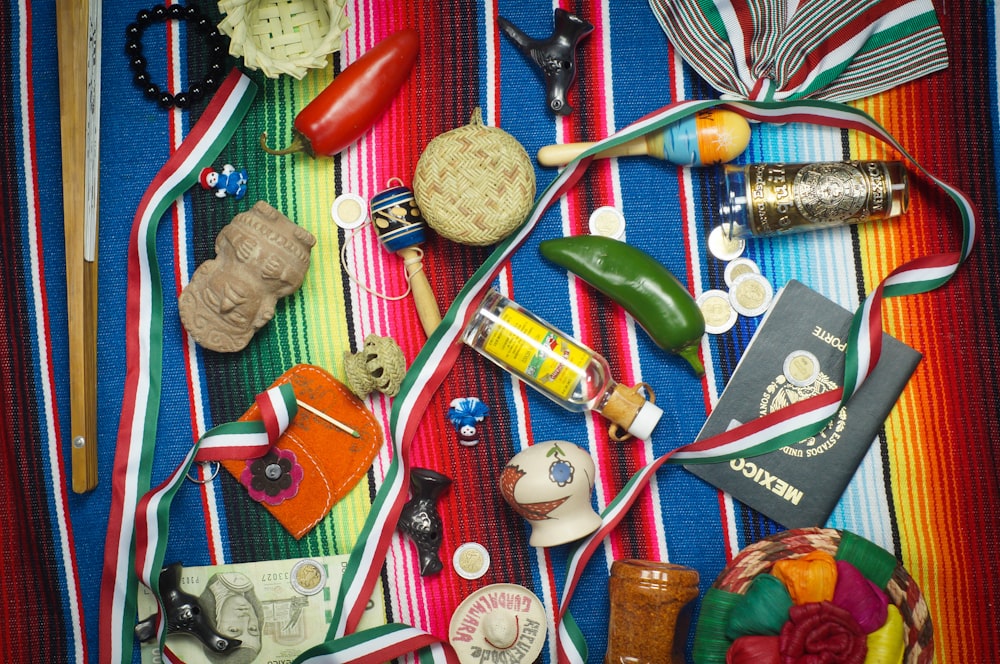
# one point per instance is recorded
(217, 49)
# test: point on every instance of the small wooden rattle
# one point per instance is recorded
(712, 136)
(400, 228)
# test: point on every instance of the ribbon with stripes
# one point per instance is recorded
(233, 440)
(131, 476)
(775, 50)
(766, 434)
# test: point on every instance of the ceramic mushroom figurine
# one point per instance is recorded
(260, 257)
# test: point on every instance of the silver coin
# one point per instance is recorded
(751, 294)
(724, 248)
(739, 267)
(717, 310)
(801, 368)
(308, 577)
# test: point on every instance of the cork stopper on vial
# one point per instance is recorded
(629, 410)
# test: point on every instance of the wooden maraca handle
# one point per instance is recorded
(420, 288)
(561, 154)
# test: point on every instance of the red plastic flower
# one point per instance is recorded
(822, 633)
(272, 478)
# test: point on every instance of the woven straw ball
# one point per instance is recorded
(474, 184)
(758, 558)
(283, 36)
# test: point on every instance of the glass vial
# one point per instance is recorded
(561, 368)
(648, 622)
(759, 200)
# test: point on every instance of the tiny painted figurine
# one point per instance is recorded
(260, 257)
(554, 56)
(419, 519)
(184, 614)
(466, 414)
(227, 182)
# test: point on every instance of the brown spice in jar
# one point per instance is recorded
(648, 623)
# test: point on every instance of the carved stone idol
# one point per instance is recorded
(260, 257)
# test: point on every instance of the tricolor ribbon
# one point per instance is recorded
(234, 440)
(766, 434)
(126, 556)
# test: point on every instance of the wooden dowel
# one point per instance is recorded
(323, 416)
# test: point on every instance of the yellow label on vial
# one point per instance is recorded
(550, 361)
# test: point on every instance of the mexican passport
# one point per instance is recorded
(798, 352)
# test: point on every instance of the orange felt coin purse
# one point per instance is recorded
(327, 461)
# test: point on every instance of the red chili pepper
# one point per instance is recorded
(355, 99)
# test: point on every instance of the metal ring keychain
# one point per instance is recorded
(203, 464)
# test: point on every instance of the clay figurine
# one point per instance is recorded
(261, 256)
(420, 520)
(184, 614)
(466, 413)
(549, 484)
(554, 56)
(227, 182)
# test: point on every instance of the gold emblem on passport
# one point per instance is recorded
(782, 392)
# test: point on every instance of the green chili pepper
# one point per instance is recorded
(640, 284)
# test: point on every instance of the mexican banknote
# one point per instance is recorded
(277, 609)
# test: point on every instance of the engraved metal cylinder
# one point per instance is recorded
(648, 622)
(775, 198)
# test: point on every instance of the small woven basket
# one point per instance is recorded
(474, 184)
(877, 564)
(283, 36)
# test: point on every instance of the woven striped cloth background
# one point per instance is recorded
(928, 491)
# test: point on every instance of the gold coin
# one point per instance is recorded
(717, 310)
(739, 267)
(308, 577)
(751, 294)
(801, 368)
(471, 560)
(723, 247)
(607, 221)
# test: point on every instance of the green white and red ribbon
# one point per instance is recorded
(233, 440)
(131, 476)
(775, 50)
(784, 427)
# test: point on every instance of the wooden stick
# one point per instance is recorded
(323, 416)
(76, 50)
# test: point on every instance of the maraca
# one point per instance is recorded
(400, 228)
(712, 136)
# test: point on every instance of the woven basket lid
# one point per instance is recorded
(283, 36)
(474, 184)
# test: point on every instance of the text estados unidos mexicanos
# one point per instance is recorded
(514, 602)
(764, 478)
(514, 654)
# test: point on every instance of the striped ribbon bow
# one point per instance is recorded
(786, 426)
(768, 50)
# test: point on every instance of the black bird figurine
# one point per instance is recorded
(555, 56)
(184, 615)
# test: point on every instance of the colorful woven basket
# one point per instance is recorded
(874, 562)
(474, 184)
